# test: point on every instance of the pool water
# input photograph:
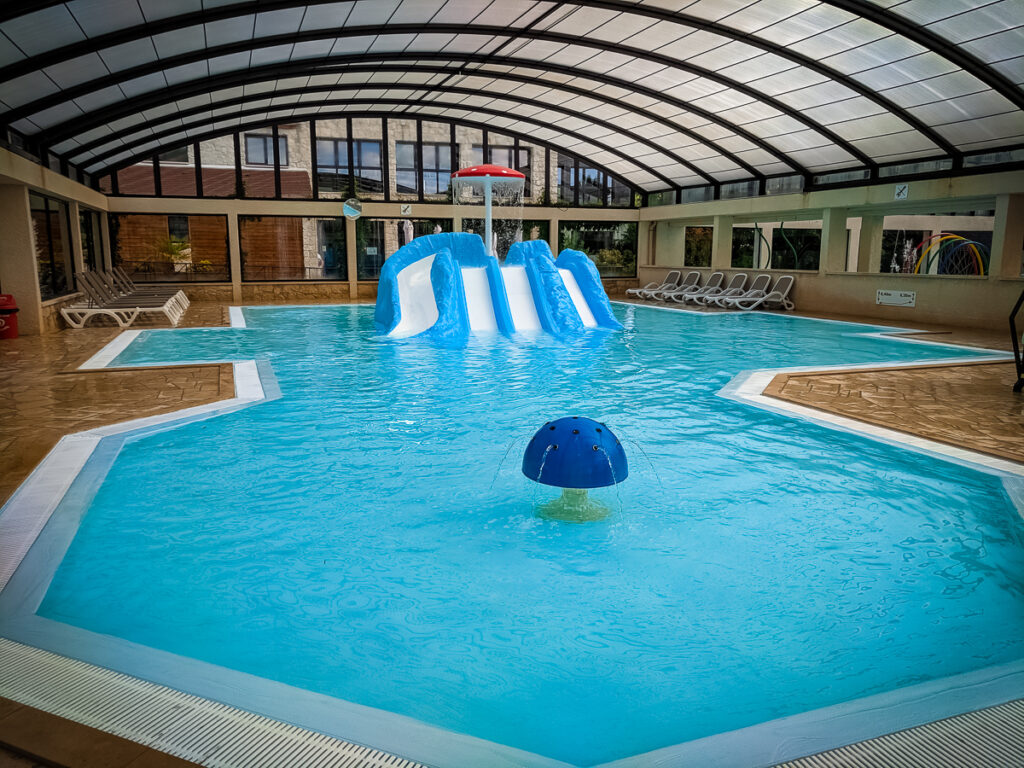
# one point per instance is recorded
(369, 535)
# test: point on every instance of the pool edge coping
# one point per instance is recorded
(76, 448)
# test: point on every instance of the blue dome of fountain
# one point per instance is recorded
(575, 452)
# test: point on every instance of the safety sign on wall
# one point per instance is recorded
(896, 298)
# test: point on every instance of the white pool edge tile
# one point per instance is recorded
(112, 349)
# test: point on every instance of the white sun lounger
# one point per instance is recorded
(671, 282)
(124, 311)
(735, 287)
(119, 282)
(757, 288)
(714, 283)
(776, 298)
(690, 282)
(672, 276)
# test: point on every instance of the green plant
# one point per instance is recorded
(171, 249)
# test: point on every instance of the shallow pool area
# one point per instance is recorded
(368, 536)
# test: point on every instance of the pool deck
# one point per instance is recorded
(43, 396)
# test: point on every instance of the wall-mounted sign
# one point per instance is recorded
(902, 192)
(896, 298)
(352, 208)
(407, 209)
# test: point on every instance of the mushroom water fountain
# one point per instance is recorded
(500, 187)
(575, 454)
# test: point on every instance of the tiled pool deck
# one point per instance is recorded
(44, 396)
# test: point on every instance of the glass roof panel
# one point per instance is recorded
(377, 12)
(97, 17)
(170, 44)
(1003, 45)
(416, 11)
(233, 30)
(43, 30)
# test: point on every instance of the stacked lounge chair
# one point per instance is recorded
(757, 288)
(689, 282)
(671, 281)
(104, 299)
(117, 280)
(735, 287)
(713, 285)
(776, 298)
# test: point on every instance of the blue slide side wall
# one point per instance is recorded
(462, 249)
(589, 281)
(557, 313)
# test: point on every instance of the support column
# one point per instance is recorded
(235, 258)
(721, 243)
(833, 240)
(106, 258)
(553, 236)
(644, 249)
(75, 235)
(18, 274)
(1007, 238)
(869, 246)
(350, 258)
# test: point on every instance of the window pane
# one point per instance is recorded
(136, 179)
(150, 248)
(405, 182)
(796, 248)
(296, 171)
(179, 155)
(53, 246)
(505, 232)
(612, 245)
(377, 239)
(405, 155)
(325, 152)
(292, 248)
(178, 177)
(282, 150)
(217, 157)
(697, 246)
(256, 150)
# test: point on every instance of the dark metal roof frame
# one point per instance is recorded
(142, 156)
(284, 92)
(336, 65)
(276, 95)
(271, 41)
(182, 21)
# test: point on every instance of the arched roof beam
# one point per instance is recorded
(876, 14)
(339, 64)
(271, 41)
(425, 100)
(408, 115)
(657, 14)
(402, 69)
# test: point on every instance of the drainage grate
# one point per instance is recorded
(187, 726)
(988, 738)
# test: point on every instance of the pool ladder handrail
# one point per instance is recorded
(1018, 358)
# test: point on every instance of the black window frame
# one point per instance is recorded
(367, 183)
(341, 172)
(53, 205)
(524, 168)
(417, 165)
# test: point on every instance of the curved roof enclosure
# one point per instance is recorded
(665, 93)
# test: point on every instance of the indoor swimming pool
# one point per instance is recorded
(365, 535)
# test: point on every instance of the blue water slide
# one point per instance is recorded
(555, 307)
(464, 250)
(589, 281)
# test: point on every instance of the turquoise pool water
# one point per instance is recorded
(369, 536)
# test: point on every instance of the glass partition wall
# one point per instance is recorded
(369, 158)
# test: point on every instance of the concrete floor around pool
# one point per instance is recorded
(44, 397)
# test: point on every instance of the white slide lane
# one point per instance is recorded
(520, 299)
(416, 299)
(478, 299)
(577, 298)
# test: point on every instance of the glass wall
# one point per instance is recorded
(351, 157)
(612, 245)
(505, 232)
(796, 248)
(170, 248)
(377, 239)
(745, 247)
(332, 169)
(217, 166)
(697, 246)
(91, 230)
(54, 265)
(295, 161)
(137, 179)
(292, 248)
(178, 173)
